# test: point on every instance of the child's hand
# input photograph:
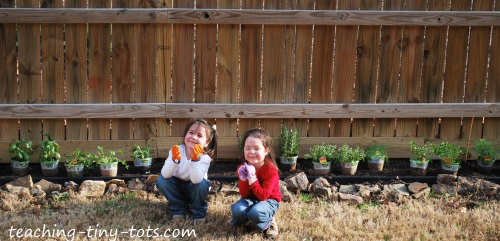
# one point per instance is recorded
(250, 169)
(176, 153)
(250, 173)
(242, 173)
(197, 151)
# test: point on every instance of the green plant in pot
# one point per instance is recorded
(349, 157)
(450, 156)
(376, 155)
(322, 157)
(77, 162)
(20, 155)
(49, 156)
(288, 148)
(486, 155)
(419, 159)
(143, 157)
(108, 161)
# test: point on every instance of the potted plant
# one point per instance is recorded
(49, 156)
(77, 161)
(486, 155)
(450, 156)
(108, 161)
(143, 156)
(288, 148)
(349, 157)
(322, 157)
(420, 158)
(20, 152)
(376, 155)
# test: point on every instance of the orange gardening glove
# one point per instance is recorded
(197, 151)
(176, 153)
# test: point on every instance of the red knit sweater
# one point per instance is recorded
(267, 184)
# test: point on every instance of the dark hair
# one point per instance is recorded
(211, 149)
(263, 136)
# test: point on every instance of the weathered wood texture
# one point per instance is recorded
(354, 71)
(187, 15)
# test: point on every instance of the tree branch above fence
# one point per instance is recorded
(208, 110)
(250, 16)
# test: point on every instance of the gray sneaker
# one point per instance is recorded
(273, 231)
(178, 217)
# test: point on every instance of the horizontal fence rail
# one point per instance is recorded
(118, 73)
(251, 16)
(208, 110)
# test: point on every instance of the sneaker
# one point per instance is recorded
(178, 217)
(229, 222)
(198, 221)
(272, 232)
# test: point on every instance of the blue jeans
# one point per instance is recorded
(260, 213)
(184, 196)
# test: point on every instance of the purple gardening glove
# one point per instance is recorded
(242, 173)
(250, 173)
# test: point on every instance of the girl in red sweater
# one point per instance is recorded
(258, 185)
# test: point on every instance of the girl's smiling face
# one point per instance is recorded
(196, 134)
(255, 152)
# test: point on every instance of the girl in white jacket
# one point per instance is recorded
(183, 179)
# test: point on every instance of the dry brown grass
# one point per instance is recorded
(430, 219)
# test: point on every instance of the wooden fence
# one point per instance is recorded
(118, 73)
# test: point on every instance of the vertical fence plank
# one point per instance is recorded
(475, 87)
(432, 71)
(124, 69)
(8, 83)
(321, 80)
(492, 125)
(29, 72)
(366, 74)
(53, 81)
(228, 69)
(390, 66)
(182, 66)
(164, 69)
(344, 70)
(273, 72)
(298, 50)
(251, 59)
(99, 71)
(454, 76)
(145, 85)
(411, 66)
(76, 71)
(206, 55)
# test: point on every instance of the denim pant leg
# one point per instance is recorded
(198, 194)
(261, 213)
(172, 189)
(239, 210)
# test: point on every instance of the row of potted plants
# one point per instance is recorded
(348, 157)
(75, 162)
